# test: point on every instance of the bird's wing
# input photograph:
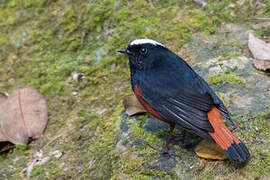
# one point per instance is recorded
(218, 103)
(186, 106)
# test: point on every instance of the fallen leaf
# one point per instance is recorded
(23, 114)
(132, 105)
(261, 65)
(260, 51)
(2, 136)
(209, 150)
(3, 97)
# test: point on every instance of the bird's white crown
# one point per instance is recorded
(145, 41)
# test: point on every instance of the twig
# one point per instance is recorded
(260, 19)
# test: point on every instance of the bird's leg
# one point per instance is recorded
(180, 137)
(184, 132)
(165, 149)
(169, 139)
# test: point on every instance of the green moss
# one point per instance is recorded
(1, 158)
(138, 132)
(59, 36)
(36, 171)
(259, 165)
(229, 78)
(230, 54)
(21, 150)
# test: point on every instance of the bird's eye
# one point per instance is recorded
(143, 51)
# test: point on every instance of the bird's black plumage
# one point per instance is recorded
(173, 89)
(168, 87)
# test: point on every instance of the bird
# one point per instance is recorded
(170, 90)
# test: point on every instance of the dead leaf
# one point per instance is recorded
(132, 105)
(22, 115)
(261, 65)
(2, 136)
(209, 150)
(260, 51)
(3, 97)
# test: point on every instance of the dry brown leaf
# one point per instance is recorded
(22, 115)
(261, 65)
(3, 97)
(132, 105)
(209, 150)
(260, 51)
(2, 137)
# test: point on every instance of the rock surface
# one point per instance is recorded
(227, 42)
(241, 99)
(252, 97)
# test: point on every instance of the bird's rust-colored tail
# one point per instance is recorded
(234, 149)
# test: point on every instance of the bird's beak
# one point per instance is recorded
(124, 51)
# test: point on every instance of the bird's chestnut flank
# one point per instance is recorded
(169, 89)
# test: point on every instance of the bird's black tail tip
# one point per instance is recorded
(238, 152)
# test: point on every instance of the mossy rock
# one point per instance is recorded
(244, 87)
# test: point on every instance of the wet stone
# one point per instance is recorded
(152, 124)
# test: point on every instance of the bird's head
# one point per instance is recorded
(144, 53)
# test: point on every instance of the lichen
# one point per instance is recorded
(229, 78)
